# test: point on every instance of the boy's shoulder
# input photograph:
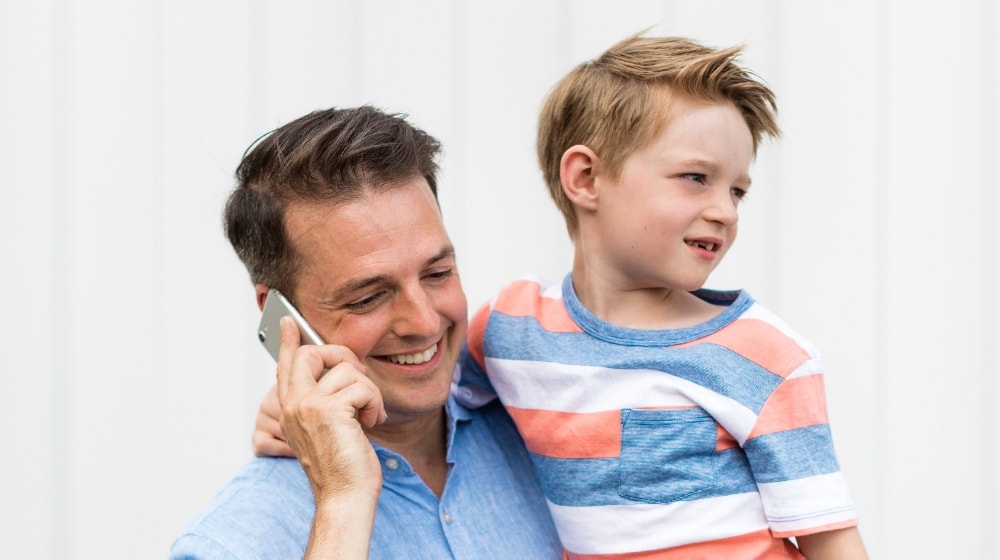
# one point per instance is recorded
(528, 296)
(752, 320)
(528, 300)
(530, 287)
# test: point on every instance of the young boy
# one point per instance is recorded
(665, 420)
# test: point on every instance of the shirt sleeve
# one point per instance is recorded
(792, 456)
(472, 387)
(196, 547)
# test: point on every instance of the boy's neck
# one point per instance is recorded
(614, 300)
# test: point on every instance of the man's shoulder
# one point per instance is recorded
(265, 511)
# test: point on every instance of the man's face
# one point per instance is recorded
(379, 276)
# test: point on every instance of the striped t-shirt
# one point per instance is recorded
(703, 442)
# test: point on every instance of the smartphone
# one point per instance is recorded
(277, 306)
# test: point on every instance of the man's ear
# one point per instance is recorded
(261, 290)
(577, 171)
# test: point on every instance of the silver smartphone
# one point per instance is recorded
(277, 306)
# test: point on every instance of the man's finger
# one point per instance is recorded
(362, 393)
(289, 342)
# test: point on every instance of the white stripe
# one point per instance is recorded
(807, 502)
(638, 527)
(582, 389)
(809, 367)
(761, 313)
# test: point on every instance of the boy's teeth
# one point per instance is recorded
(417, 358)
(703, 245)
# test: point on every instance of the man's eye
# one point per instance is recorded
(440, 275)
(365, 303)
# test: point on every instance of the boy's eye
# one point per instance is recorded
(696, 177)
(738, 193)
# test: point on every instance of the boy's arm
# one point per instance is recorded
(840, 544)
(268, 441)
(472, 387)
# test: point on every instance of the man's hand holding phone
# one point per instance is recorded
(269, 439)
(322, 414)
(326, 399)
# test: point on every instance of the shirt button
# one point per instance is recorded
(447, 519)
(392, 463)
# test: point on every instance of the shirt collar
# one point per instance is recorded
(455, 413)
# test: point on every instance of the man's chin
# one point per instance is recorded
(416, 401)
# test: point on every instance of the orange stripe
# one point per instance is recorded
(781, 355)
(724, 440)
(522, 298)
(760, 545)
(796, 403)
(568, 435)
(475, 332)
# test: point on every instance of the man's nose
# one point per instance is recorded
(416, 314)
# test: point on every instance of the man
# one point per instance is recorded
(338, 211)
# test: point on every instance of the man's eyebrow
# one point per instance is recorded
(446, 253)
(363, 283)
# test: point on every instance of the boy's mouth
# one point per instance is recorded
(706, 245)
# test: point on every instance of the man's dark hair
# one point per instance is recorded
(331, 156)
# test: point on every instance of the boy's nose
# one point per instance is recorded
(723, 209)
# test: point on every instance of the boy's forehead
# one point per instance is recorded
(705, 134)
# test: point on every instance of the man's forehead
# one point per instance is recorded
(382, 235)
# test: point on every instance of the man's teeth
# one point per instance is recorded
(418, 358)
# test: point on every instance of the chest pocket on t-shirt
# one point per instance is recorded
(667, 455)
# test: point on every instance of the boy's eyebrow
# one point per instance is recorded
(362, 283)
(704, 163)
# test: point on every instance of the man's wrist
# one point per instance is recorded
(342, 526)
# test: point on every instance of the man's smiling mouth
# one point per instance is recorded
(415, 358)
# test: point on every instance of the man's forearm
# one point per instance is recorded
(342, 530)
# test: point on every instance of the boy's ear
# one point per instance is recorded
(577, 170)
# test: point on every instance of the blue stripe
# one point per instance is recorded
(792, 454)
(709, 365)
(596, 482)
(470, 372)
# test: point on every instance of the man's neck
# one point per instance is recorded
(421, 441)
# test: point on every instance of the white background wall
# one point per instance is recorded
(130, 373)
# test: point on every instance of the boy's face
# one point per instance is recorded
(671, 216)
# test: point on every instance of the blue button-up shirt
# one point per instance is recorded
(492, 505)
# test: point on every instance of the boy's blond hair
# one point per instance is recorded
(617, 103)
